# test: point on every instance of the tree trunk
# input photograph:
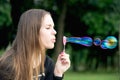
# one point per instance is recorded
(60, 30)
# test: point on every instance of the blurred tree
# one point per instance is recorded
(103, 21)
(5, 23)
(17, 8)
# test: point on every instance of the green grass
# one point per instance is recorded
(91, 76)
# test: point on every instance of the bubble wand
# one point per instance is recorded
(64, 43)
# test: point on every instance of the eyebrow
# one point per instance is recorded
(51, 25)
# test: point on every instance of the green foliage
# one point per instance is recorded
(73, 2)
(1, 51)
(5, 18)
(102, 23)
(46, 4)
(100, 3)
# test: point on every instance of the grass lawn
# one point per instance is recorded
(91, 76)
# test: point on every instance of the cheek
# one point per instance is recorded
(41, 37)
(44, 38)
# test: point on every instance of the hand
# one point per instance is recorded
(62, 64)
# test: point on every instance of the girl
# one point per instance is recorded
(26, 59)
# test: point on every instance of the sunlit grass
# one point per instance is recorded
(91, 76)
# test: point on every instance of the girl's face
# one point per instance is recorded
(47, 32)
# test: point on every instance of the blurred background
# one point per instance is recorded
(72, 18)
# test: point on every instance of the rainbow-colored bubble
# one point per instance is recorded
(86, 41)
(109, 43)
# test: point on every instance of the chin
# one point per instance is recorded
(50, 47)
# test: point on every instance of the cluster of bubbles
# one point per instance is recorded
(109, 42)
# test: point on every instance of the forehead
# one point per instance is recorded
(47, 20)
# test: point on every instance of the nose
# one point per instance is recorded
(54, 32)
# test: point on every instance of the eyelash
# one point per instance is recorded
(48, 28)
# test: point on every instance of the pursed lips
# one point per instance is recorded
(54, 40)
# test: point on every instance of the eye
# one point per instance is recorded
(48, 27)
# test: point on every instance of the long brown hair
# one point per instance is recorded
(26, 48)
